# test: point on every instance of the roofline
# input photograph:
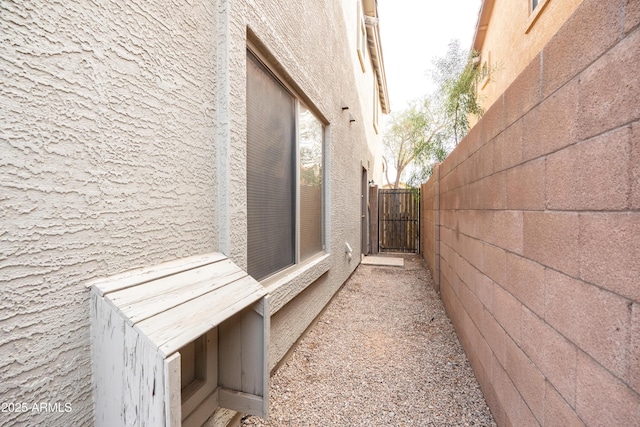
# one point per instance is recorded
(484, 16)
(375, 48)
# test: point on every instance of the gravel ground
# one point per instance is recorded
(383, 353)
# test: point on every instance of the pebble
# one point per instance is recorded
(383, 353)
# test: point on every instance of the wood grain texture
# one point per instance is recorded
(139, 324)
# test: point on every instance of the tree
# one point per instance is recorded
(456, 76)
(412, 133)
(427, 131)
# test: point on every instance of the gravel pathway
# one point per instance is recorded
(383, 353)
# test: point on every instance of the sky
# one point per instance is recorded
(413, 32)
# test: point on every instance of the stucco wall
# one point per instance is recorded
(512, 40)
(123, 144)
(540, 231)
(107, 163)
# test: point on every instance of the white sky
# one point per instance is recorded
(413, 32)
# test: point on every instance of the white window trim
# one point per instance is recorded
(535, 14)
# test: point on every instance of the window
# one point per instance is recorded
(537, 6)
(285, 158)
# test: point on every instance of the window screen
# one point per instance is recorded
(271, 159)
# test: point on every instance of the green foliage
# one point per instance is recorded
(413, 134)
(456, 78)
(427, 131)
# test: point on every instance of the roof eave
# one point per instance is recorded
(484, 16)
(375, 48)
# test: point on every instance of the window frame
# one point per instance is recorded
(280, 76)
(534, 13)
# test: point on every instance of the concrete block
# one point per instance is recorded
(473, 195)
(465, 272)
(507, 393)
(557, 412)
(635, 166)
(610, 251)
(631, 15)
(508, 312)
(488, 389)
(509, 225)
(528, 380)
(526, 186)
(472, 141)
(552, 124)
(524, 93)
(602, 399)
(611, 101)
(493, 192)
(597, 321)
(494, 263)
(474, 252)
(446, 184)
(551, 238)
(590, 175)
(480, 350)
(634, 349)
(493, 121)
(507, 151)
(448, 218)
(526, 281)
(466, 223)
(453, 159)
(485, 224)
(524, 415)
(501, 228)
(534, 330)
(475, 166)
(471, 304)
(485, 156)
(551, 352)
(592, 29)
(495, 336)
(484, 290)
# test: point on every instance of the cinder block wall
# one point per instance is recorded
(539, 231)
(429, 220)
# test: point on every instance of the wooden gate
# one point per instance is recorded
(399, 220)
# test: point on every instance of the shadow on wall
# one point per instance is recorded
(532, 230)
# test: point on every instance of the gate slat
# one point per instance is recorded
(399, 220)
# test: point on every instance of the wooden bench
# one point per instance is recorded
(173, 342)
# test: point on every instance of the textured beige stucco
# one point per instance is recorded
(122, 141)
(511, 41)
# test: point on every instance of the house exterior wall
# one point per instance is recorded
(540, 231)
(513, 37)
(123, 144)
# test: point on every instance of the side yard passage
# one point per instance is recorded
(382, 353)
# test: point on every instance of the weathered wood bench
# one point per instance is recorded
(173, 342)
